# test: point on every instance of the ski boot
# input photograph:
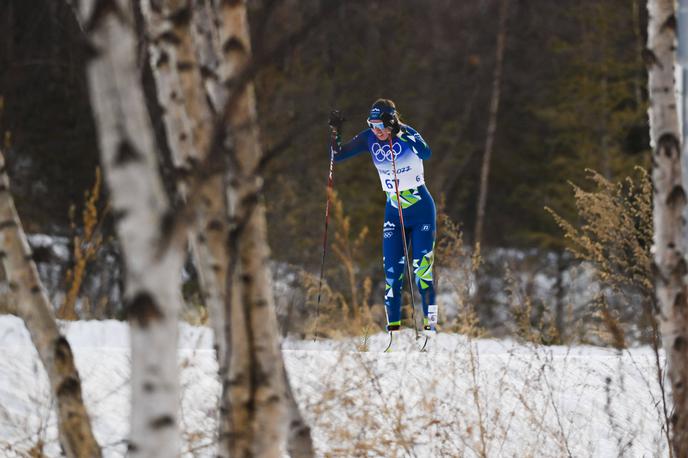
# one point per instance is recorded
(430, 322)
(429, 331)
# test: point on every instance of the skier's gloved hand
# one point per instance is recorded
(336, 120)
(391, 122)
(403, 133)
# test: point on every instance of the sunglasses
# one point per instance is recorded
(376, 125)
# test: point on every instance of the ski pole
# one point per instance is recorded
(403, 234)
(330, 186)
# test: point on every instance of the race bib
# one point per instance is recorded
(409, 167)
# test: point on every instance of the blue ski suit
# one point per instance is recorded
(418, 209)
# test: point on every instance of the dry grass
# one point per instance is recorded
(457, 265)
(87, 241)
(348, 311)
(474, 398)
(518, 401)
(528, 400)
(615, 236)
(31, 434)
(529, 323)
(195, 314)
(346, 308)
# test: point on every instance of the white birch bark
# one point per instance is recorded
(254, 396)
(31, 303)
(162, 41)
(143, 221)
(188, 121)
(206, 41)
(669, 201)
(170, 33)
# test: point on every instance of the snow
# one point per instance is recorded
(464, 397)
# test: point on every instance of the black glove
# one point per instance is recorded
(336, 120)
(391, 122)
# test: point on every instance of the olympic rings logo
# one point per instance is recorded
(383, 153)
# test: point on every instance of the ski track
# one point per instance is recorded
(462, 398)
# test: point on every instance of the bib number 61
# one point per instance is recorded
(390, 183)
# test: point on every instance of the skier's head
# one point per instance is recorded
(382, 113)
(380, 107)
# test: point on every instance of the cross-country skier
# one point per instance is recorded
(409, 150)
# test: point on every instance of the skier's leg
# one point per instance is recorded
(423, 240)
(393, 261)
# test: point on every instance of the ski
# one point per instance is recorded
(388, 348)
(421, 342)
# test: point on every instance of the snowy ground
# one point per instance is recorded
(463, 398)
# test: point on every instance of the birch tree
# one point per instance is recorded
(669, 201)
(188, 122)
(143, 217)
(30, 302)
(206, 40)
(254, 393)
(174, 28)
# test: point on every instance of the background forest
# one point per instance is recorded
(573, 97)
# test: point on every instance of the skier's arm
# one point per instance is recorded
(419, 146)
(358, 145)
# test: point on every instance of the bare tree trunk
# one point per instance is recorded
(172, 34)
(143, 220)
(188, 121)
(162, 46)
(206, 39)
(8, 303)
(669, 202)
(254, 399)
(31, 303)
(492, 123)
